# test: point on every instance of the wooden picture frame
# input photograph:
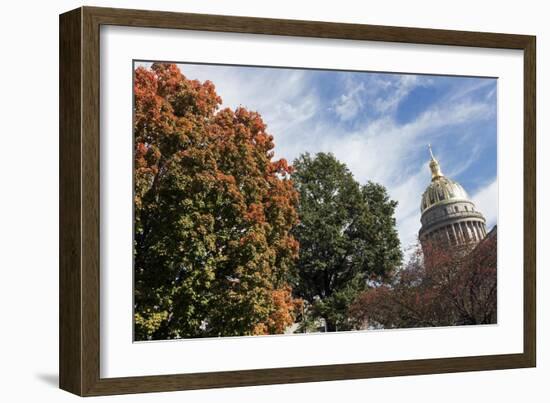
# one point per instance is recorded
(79, 278)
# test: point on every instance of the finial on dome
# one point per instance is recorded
(434, 165)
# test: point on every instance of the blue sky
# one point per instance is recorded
(379, 124)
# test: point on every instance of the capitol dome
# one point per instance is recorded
(442, 190)
(448, 215)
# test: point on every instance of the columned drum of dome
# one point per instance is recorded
(449, 217)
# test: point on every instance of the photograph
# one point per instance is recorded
(251, 201)
(289, 200)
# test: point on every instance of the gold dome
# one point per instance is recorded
(442, 189)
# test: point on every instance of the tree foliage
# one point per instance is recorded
(440, 286)
(347, 237)
(213, 214)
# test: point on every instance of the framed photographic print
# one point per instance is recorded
(249, 201)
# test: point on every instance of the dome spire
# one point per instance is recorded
(434, 165)
(431, 153)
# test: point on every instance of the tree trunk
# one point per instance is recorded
(331, 327)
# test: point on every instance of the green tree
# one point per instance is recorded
(347, 237)
(213, 214)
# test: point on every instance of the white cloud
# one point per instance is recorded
(378, 94)
(395, 91)
(486, 201)
(349, 104)
(468, 89)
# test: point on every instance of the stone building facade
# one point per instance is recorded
(449, 217)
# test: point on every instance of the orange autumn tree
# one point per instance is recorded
(213, 214)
